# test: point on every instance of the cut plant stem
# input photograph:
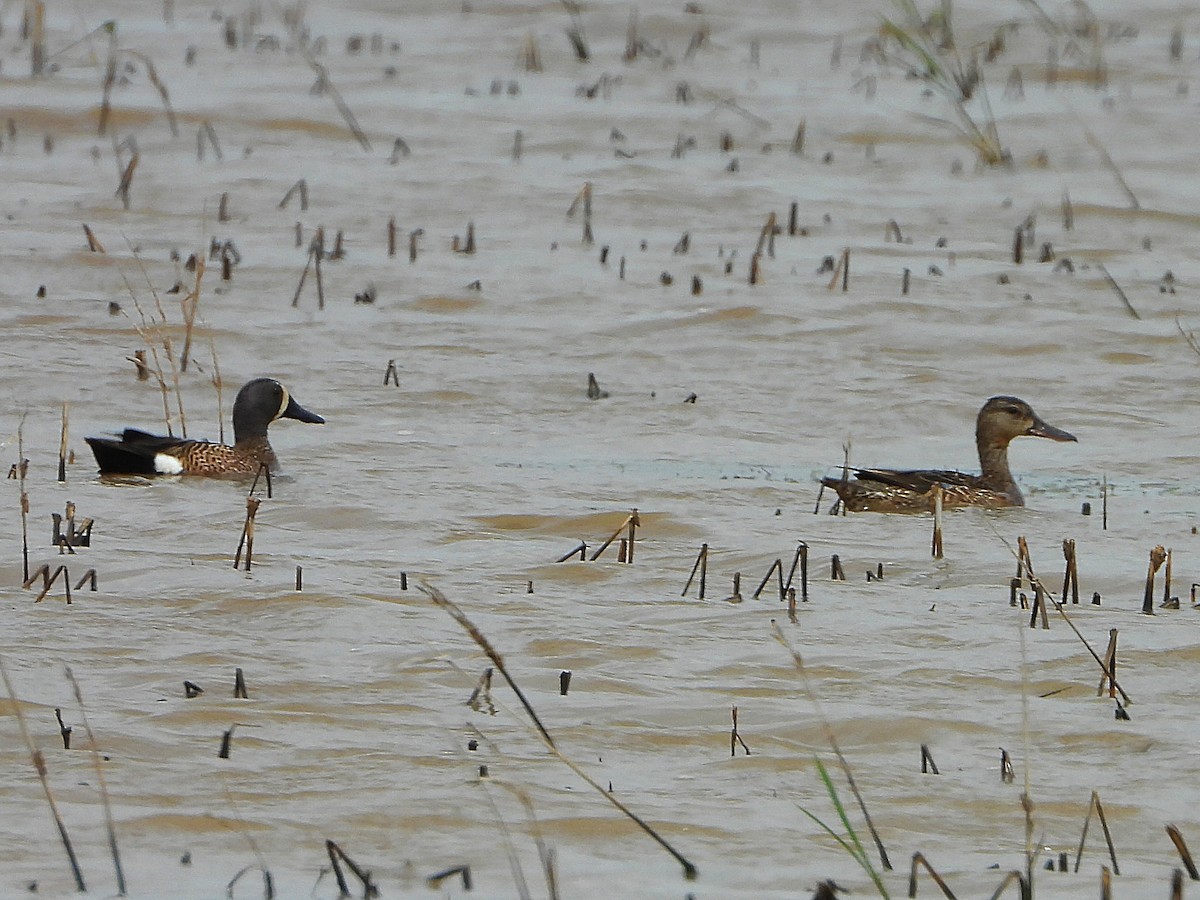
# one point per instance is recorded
(689, 869)
(700, 565)
(1157, 557)
(1184, 854)
(1094, 805)
(1109, 666)
(1071, 576)
(800, 559)
(247, 538)
(936, 545)
(927, 763)
(39, 765)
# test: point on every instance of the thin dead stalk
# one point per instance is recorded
(689, 869)
(100, 782)
(832, 739)
(39, 765)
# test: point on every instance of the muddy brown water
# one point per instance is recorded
(488, 462)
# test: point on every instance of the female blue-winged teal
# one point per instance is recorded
(259, 403)
(1000, 420)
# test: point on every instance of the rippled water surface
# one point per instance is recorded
(487, 461)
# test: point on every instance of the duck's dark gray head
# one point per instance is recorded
(1005, 418)
(259, 403)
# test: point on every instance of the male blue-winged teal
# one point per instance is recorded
(259, 403)
(1000, 420)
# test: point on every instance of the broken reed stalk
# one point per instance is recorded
(36, 10)
(630, 521)
(39, 765)
(936, 545)
(919, 859)
(163, 94)
(1104, 503)
(1024, 561)
(927, 762)
(1157, 557)
(831, 738)
(62, 446)
(164, 336)
(1109, 666)
(1110, 672)
(217, 384)
(110, 78)
(584, 197)
(689, 869)
(207, 131)
(22, 468)
(1094, 805)
(1112, 167)
(1071, 576)
(93, 746)
(301, 188)
(701, 564)
(127, 180)
(1012, 876)
(1184, 853)
(247, 538)
(801, 560)
(144, 332)
(766, 237)
(188, 304)
(1166, 577)
(776, 566)
(335, 853)
(734, 738)
(94, 244)
(581, 552)
(1112, 283)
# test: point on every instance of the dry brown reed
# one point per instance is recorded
(94, 748)
(21, 467)
(39, 765)
(48, 580)
(584, 199)
(927, 763)
(735, 739)
(800, 559)
(1112, 283)
(337, 856)
(631, 522)
(435, 880)
(920, 862)
(1094, 805)
(936, 543)
(831, 739)
(439, 599)
(1184, 853)
(1109, 666)
(299, 188)
(700, 565)
(94, 244)
(776, 567)
(1157, 557)
(247, 539)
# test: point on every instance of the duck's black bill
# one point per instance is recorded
(1041, 429)
(296, 411)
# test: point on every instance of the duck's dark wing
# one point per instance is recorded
(133, 452)
(919, 481)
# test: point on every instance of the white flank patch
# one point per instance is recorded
(167, 465)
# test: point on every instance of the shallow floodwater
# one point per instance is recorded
(487, 461)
